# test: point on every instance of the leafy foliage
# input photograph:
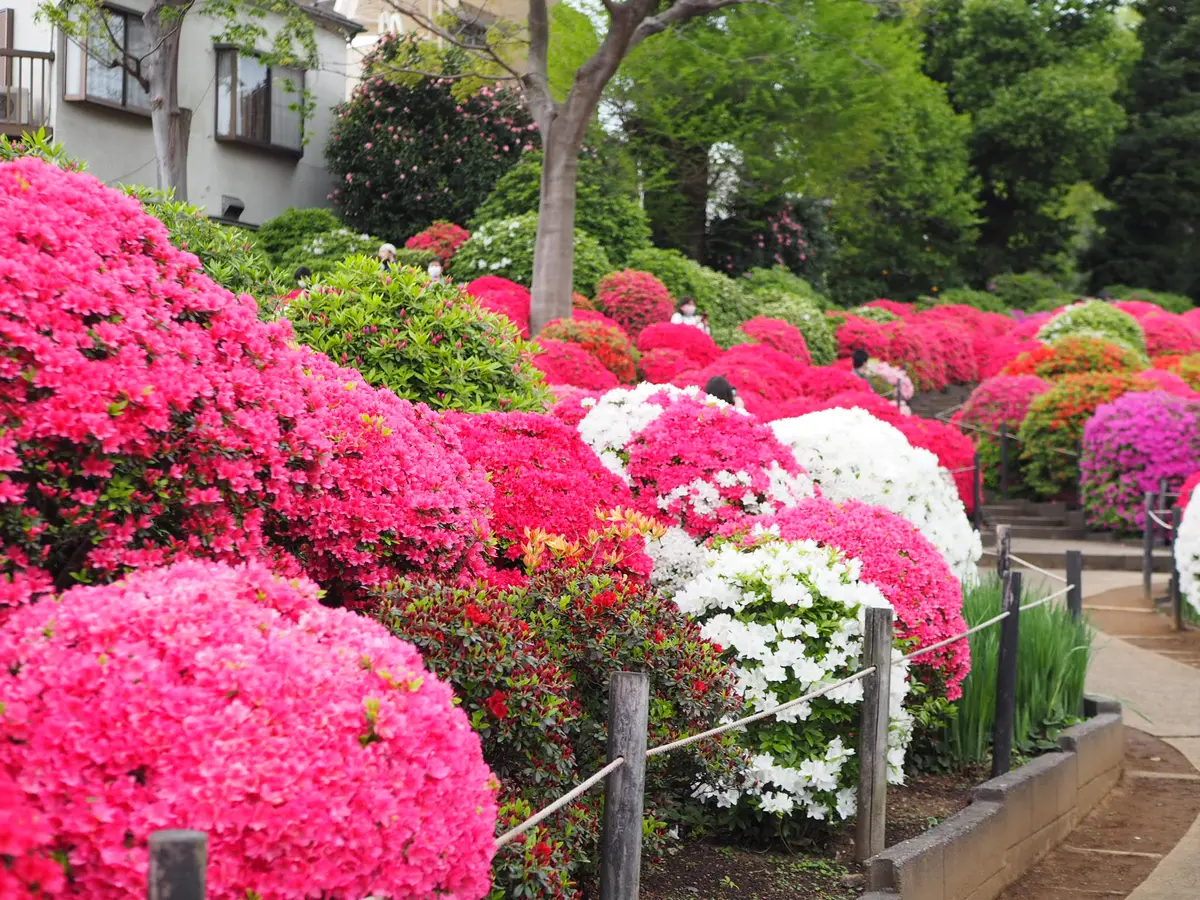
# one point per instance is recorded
(428, 343)
(407, 152)
(293, 228)
(604, 206)
(1027, 291)
(1097, 318)
(504, 247)
(807, 316)
(722, 298)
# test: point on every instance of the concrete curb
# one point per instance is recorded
(1012, 822)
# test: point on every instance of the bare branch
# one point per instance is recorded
(428, 23)
(679, 12)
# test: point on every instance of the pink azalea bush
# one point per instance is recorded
(563, 362)
(693, 343)
(664, 364)
(544, 476)
(635, 299)
(1168, 335)
(1129, 445)
(571, 404)
(26, 868)
(996, 402)
(314, 749)
(504, 297)
(822, 382)
(700, 466)
(148, 415)
(778, 335)
(901, 562)
(902, 310)
(441, 239)
(1139, 309)
(1170, 382)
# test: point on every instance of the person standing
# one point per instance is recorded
(387, 256)
(435, 273)
(685, 314)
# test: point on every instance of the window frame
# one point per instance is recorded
(238, 140)
(78, 92)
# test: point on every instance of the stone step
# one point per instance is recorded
(1015, 521)
(1042, 532)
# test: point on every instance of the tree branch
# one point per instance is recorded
(679, 12)
(537, 78)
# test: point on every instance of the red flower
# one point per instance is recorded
(497, 705)
(604, 600)
(700, 688)
(477, 615)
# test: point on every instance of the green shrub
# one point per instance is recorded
(323, 251)
(1024, 290)
(806, 315)
(504, 247)
(1052, 660)
(1097, 318)
(776, 279)
(1176, 303)
(981, 300)
(603, 209)
(875, 314)
(40, 145)
(723, 298)
(418, 259)
(294, 228)
(429, 343)
(229, 255)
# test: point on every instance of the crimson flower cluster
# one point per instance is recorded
(442, 239)
(504, 297)
(634, 299)
(694, 344)
(607, 343)
(565, 363)
(778, 335)
(1168, 334)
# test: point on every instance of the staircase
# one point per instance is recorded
(1042, 533)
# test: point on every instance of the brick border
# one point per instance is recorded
(1012, 822)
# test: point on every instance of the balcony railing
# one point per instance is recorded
(26, 88)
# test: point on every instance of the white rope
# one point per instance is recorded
(940, 644)
(1028, 565)
(1036, 603)
(1161, 523)
(740, 723)
(560, 802)
(960, 471)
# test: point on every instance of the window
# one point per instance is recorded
(97, 66)
(259, 104)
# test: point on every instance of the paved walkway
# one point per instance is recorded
(1161, 697)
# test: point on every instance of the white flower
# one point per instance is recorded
(1187, 554)
(854, 456)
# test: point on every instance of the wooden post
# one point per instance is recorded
(1003, 549)
(1075, 581)
(1006, 677)
(1164, 507)
(1004, 461)
(624, 789)
(178, 860)
(873, 734)
(1176, 586)
(977, 489)
(1148, 546)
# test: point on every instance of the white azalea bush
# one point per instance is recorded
(851, 455)
(790, 616)
(1187, 555)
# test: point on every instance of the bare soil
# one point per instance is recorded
(1113, 850)
(711, 871)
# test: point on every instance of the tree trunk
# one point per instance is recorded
(171, 125)
(554, 253)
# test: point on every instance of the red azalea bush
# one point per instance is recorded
(954, 450)
(663, 365)
(901, 562)
(1028, 326)
(881, 408)
(998, 402)
(441, 239)
(148, 415)
(1139, 309)
(562, 362)
(1192, 317)
(1169, 382)
(26, 868)
(702, 466)
(530, 666)
(955, 344)
(1131, 446)
(1051, 432)
(822, 383)
(1169, 335)
(1189, 487)
(778, 335)
(504, 297)
(635, 299)
(591, 315)
(609, 344)
(902, 310)
(225, 700)
(687, 339)
(912, 348)
(544, 476)
(1075, 355)
(856, 333)
(994, 354)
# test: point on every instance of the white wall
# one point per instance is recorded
(118, 146)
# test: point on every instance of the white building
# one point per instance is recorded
(246, 147)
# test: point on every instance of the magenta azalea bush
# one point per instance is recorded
(1129, 445)
(147, 415)
(901, 562)
(316, 751)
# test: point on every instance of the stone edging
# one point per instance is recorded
(1012, 822)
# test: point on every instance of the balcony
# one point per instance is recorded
(26, 89)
